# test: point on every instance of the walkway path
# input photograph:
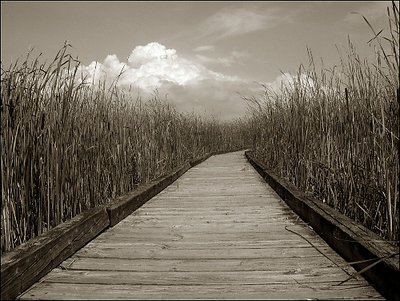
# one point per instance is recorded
(217, 232)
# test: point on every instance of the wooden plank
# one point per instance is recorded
(235, 228)
(203, 230)
(199, 212)
(177, 221)
(209, 206)
(250, 199)
(351, 240)
(292, 290)
(218, 216)
(245, 210)
(209, 181)
(214, 216)
(29, 262)
(310, 275)
(193, 265)
(231, 253)
(193, 237)
(185, 245)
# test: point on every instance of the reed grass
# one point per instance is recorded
(334, 133)
(67, 146)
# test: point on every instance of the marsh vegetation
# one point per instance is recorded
(67, 146)
(334, 132)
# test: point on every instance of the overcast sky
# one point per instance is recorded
(200, 53)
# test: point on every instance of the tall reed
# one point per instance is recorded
(67, 146)
(334, 133)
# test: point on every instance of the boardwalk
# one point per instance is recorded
(217, 232)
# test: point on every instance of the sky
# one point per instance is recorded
(201, 55)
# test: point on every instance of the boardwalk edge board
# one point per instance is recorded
(199, 160)
(351, 240)
(29, 262)
(128, 203)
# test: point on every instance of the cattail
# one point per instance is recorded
(342, 148)
(70, 146)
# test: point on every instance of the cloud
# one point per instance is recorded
(147, 68)
(218, 98)
(227, 61)
(204, 48)
(287, 81)
(153, 51)
(189, 85)
(309, 85)
(233, 22)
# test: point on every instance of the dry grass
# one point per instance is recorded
(67, 147)
(335, 133)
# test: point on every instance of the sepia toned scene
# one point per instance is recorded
(200, 150)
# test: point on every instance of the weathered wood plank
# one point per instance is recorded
(211, 237)
(177, 222)
(209, 228)
(184, 245)
(29, 262)
(192, 265)
(208, 225)
(350, 239)
(292, 290)
(230, 253)
(310, 276)
(245, 210)
(221, 220)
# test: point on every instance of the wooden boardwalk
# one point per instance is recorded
(220, 232)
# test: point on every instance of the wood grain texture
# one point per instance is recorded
(216, 232)
(289, 290)
(350, 239)
(29, 262)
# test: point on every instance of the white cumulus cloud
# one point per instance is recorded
(148, 67)
(151, 52)
(189, 84)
